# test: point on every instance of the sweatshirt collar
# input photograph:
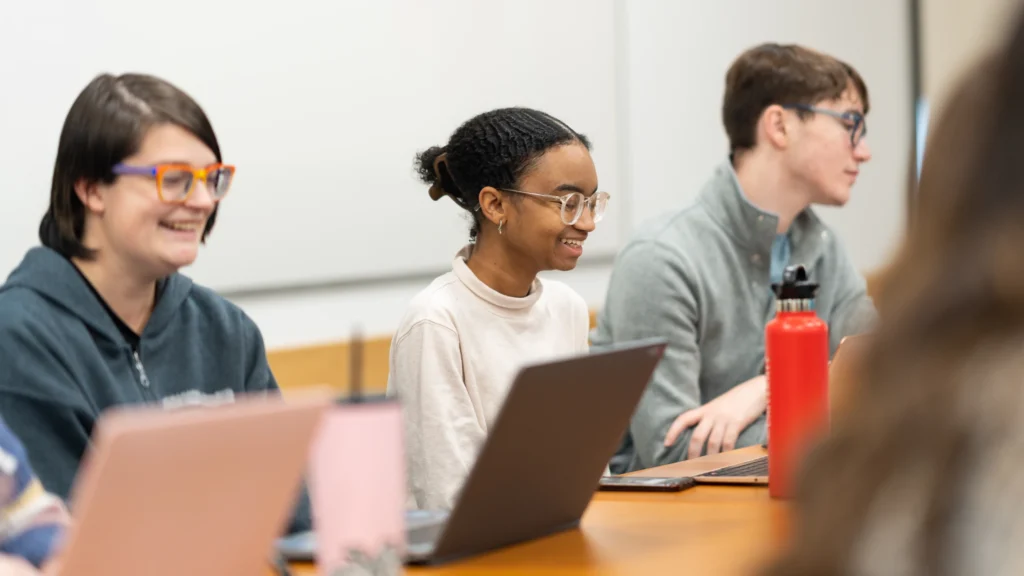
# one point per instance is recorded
(755, 229)
(485, 292)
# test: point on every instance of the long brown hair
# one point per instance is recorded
(955, 291)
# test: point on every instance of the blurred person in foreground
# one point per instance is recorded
(926, 476)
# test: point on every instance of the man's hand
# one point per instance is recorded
(719, 422)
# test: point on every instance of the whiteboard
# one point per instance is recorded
(322, 106)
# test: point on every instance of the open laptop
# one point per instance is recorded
(203, 492)
(542, 460)
(842, 376)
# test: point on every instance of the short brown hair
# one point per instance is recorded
(105, 125)
(780, 74)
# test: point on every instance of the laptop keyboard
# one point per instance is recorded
(757, 467)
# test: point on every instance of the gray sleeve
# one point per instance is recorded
(650, 295)
(853, 311)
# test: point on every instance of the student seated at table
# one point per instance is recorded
(32, 521)
(98, 316)
(928, 477)
(529, 184)
(701, 277)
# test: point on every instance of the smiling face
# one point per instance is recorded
(130, 225)
(821, 157)
(535, 230)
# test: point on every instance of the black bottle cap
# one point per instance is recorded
(795, 285)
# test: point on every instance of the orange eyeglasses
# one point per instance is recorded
(176, 182)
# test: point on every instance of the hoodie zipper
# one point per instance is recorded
(143, 379)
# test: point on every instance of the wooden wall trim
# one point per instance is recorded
(328, 364)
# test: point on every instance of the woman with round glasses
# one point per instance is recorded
(98, 316)
(530, 186)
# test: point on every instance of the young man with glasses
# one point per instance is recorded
(702, 277)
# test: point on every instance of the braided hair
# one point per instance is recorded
(495, 149)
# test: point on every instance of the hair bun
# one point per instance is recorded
(437, 188)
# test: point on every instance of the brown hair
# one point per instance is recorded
(105, 125)
(780, 74)
(955, 293)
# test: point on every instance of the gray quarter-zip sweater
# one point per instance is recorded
(699, 278)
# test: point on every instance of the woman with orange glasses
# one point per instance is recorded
(99, 316)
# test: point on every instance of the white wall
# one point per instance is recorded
(646, 75)
(671, 64)
(954, 34)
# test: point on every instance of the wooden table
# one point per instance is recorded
(719, 530)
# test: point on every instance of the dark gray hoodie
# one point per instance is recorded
(63, 360)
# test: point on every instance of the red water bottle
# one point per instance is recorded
(796, 366)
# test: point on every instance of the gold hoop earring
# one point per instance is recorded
(500, 224)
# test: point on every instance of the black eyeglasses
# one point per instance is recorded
(854, 122)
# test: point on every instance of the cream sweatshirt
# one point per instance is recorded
(453, 360)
